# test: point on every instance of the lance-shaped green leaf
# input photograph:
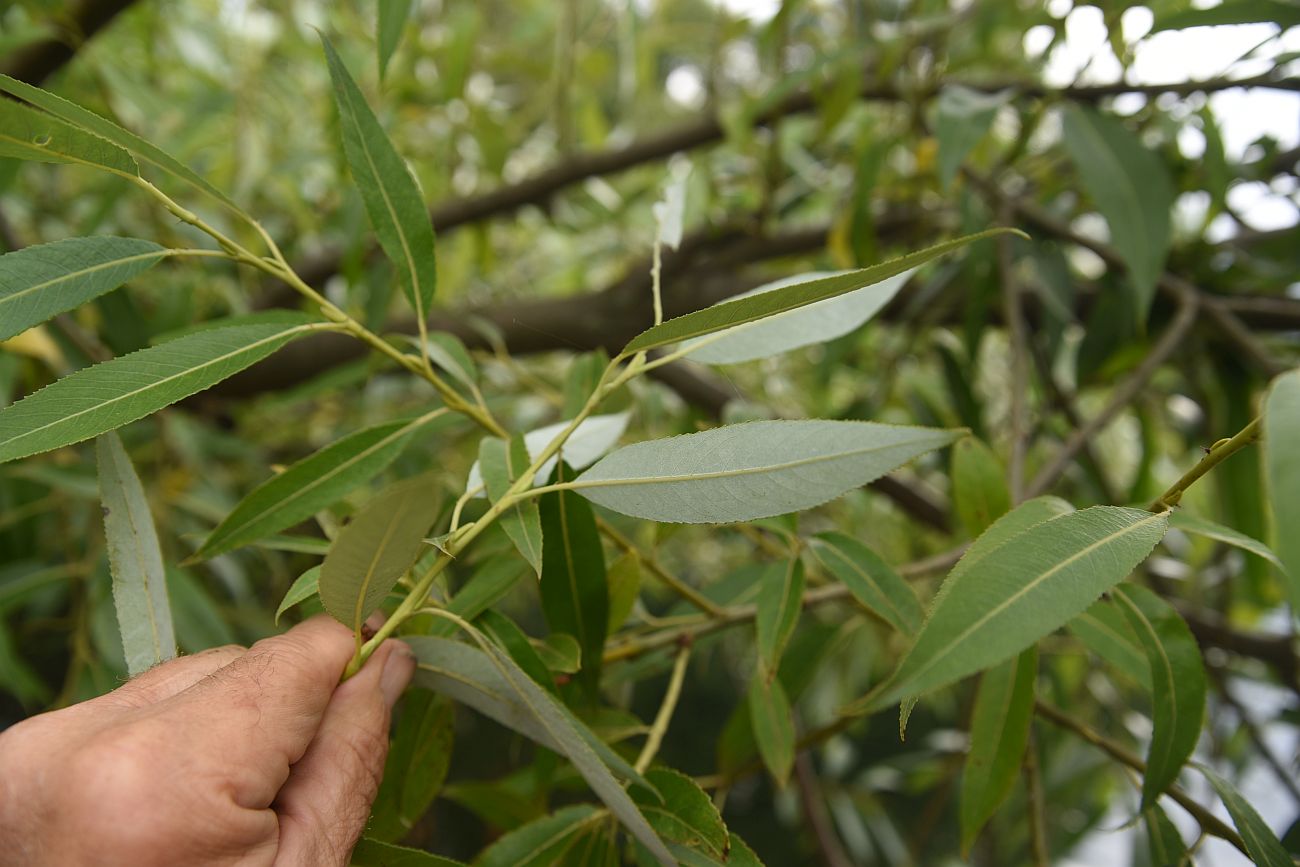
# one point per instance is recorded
(1262, 844)
(769, 715)
(486, 586)
(303, 588)
(999, 730)
(575, 594)
(450, 355)
(377, 853)
(1284, 13)
(388, 189)
(87, 120)
(514, 641)
(139, 581)
(543, 842)
(802, 326)
(1165, 846)
(780, 598)
(1105, 631)
(1019, 591)
(28, 134)
(311, 484)
(624, 578)
(417, 763)
(375, 549)
(683, 813)
(1130, 186)
(39, 282)
(964, 117)
(1177, 685)
(501, 463)
(979, 485)
(488, 679)
(100, 398)
(393, 15)
(755, 307)
(1282, 473)
(1180, 520)
(871, 581)
(753, 470)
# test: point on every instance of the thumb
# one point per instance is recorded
(324, 805)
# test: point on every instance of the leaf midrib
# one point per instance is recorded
(72, 275)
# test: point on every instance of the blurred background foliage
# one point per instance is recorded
(540, 131)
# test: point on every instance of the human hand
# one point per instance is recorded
(227, 757)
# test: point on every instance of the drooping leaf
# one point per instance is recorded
(1177, 685)
(1262, 844)
(592, 438)
(999, 731)
(139, 580)
(979, 485)
(1130, 185)
(1015, 593)
(417, 763)
(87, 120)
(100, 398)
(375, 549)
(781, 332)
(377, 853)
(683, 813)
(1281, 12)
(393, 15)
(303, 588)
(769, 714)
(624, 578)
(388, 189)
(311, 484)
(739, 312)
(753, 470)
(780, 599)
(449, 354)
(543, 842)
(1181, 520)
(871, 581)
(1165, 846)
(575, 594)
(501, 464)
(28, 134)
(964, 117)
(37, 283)
(1282, 473)
(1105, 631)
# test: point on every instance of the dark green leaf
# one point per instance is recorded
(515, 642)
(376, 853)
(544, 842)
(1281, 12)
(780, 599)
(769, 714)
(416, 765)
(964, 117)
(979, 485)
(1165, 845)
(303, 588)
(1261, 843)
(28, 134)
(488, 584)
(1180, 520)
(1105, 631)
(871, 581)
(393, 15)
(683, 813)
(624, 578)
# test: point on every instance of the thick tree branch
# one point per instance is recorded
(38, 61)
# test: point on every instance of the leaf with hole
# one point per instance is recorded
(753, 470)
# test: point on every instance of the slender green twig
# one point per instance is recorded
(665, 715)
(677, 585)
(1218, 453)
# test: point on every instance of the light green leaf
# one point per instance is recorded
(417, 763)
(28, 134)
(1180, 520)
(380, 543)
(999, 731)
(769, 714)
(590, 439)
(87, 120)
(559, 652)
(754, 470)
(1105, 631)
(1165, 846)
(311, 484)
(39, 282)
(139, 580)
(393, 15)
(979, 485)
(683, 813)
(964, 117)
(871, 581)
(802, 326)
(501, 464)
(544, 842)
(1015, 593)
(1282, 473)
(1177, 685)
(575, 594)
(388, 189)
(449, 354)
(377, 853)
(1281, 12)
(1262, 844)
(100, 398)
(741, 311)
(303, 588)
(1130, 186)
(624, 578)
(780, 599)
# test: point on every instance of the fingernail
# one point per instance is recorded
(398, 668)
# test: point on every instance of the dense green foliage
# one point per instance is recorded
(824, 437)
